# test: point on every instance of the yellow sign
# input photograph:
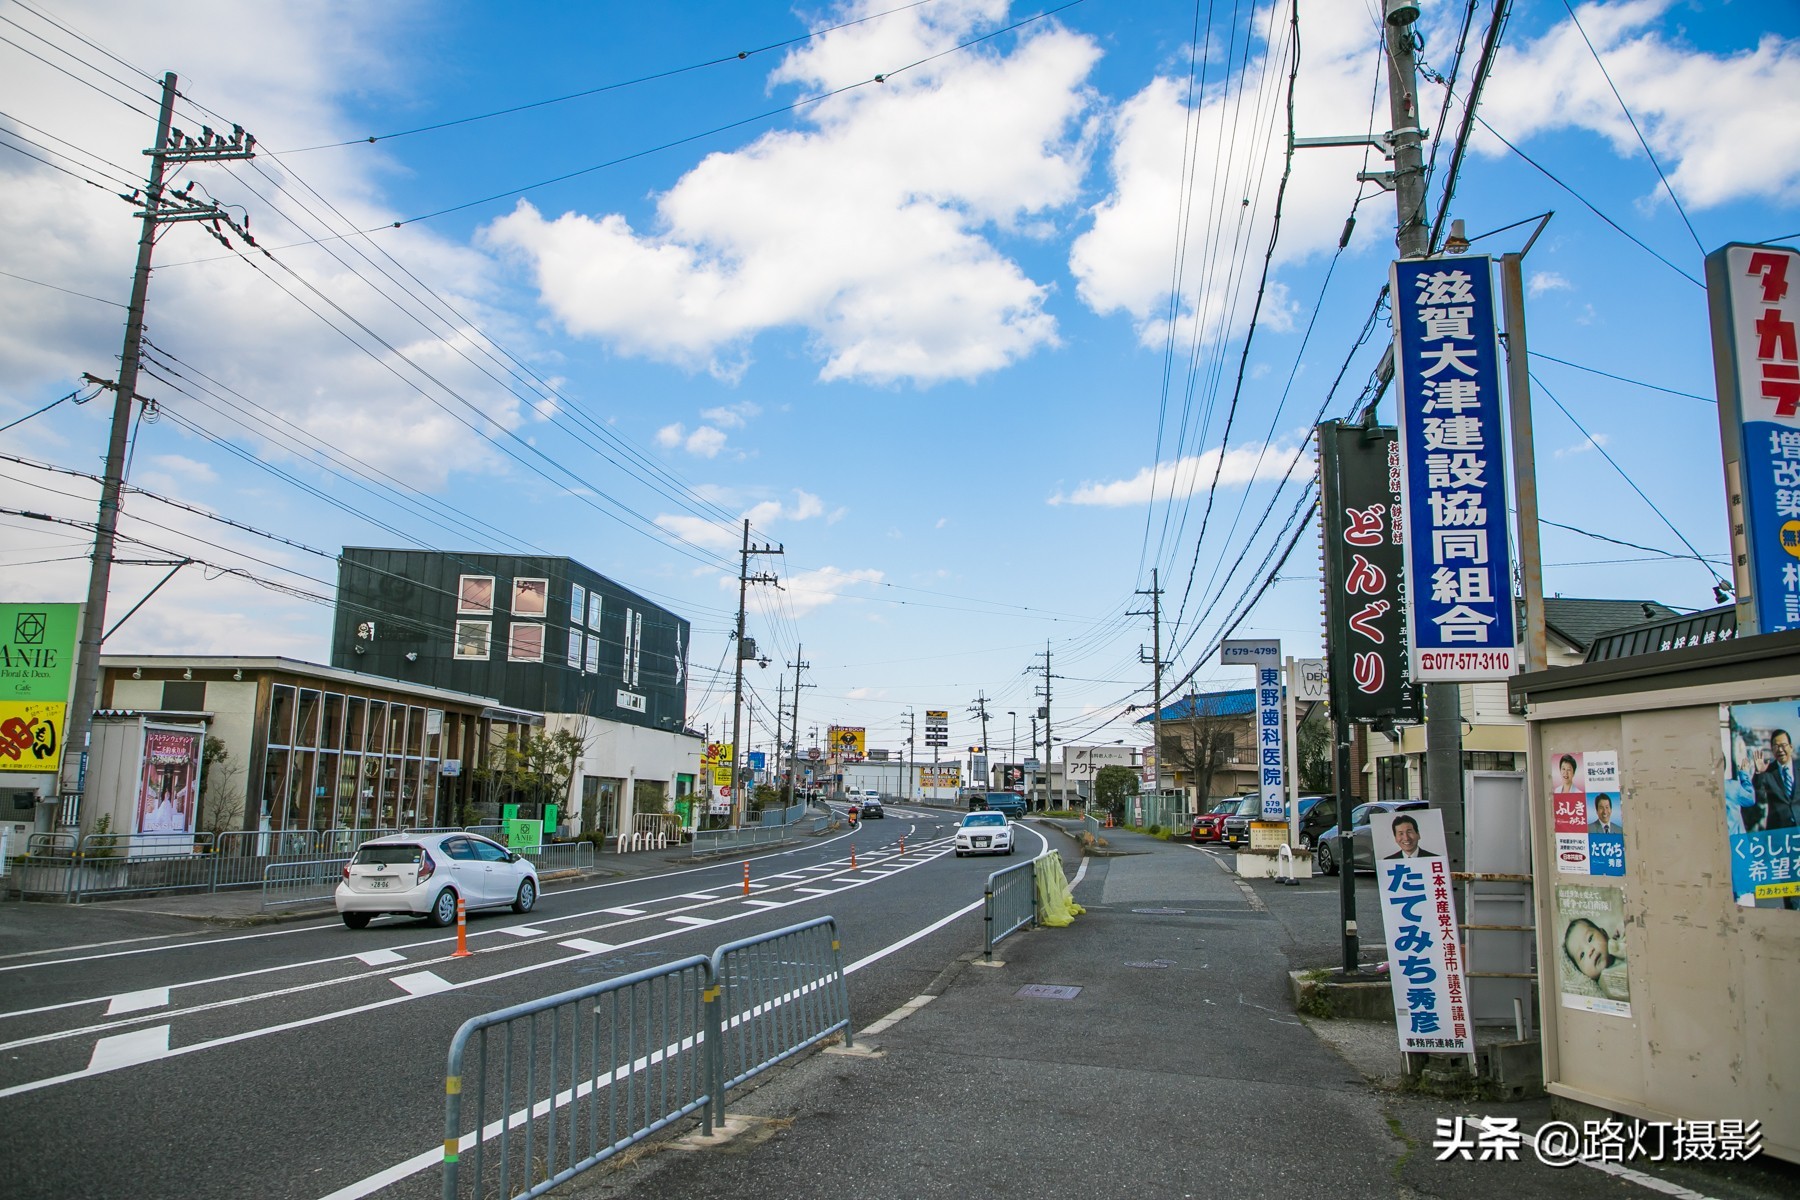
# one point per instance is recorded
(715, 752)
(944, 775)
(849, 742)
(31, 733)
(722, 775)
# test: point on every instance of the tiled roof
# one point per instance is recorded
(1579, 622)
(1207, 704)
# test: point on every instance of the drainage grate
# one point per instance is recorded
(1048, 991)
(1161, 912)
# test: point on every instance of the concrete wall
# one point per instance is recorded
(1714, 988)
(628, 752)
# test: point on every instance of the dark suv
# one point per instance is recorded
(1010, 803)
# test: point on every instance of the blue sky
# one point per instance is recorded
(918, 331)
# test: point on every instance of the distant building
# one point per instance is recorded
(545, 634)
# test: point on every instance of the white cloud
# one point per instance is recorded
(762, 515)
(1724, 127)
(867, 230)
(1189, 475)
(1547, 281)
(732, 416)
(705, 442)
(1122, 263)
(671, 435)
(1583, 447)
(805, 591)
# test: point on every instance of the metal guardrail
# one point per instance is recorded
(561, 856)
(779, 993)
(1090, 824)
(561, 1084)
(1009, 903)
(301, 882)
(718, 841)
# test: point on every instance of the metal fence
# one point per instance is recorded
(720, 841)
(301, 882)
(1090, 823)
(1009, 904)
(561, 856)
(561, 1084)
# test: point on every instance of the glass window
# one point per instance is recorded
(574, 649)
(472, 638)
(592, 664)
(331, 722)
(347, 809)
(525, 642)
(460, 847)
(281, 716)
(530, 597)
(275, 769)
(475, 594)
(396, 736)
(356, 710)
(306, 721)
(594, 611)
(391, 855)
(577, 604)
(325, 792)
(415, 730)
(489, 852)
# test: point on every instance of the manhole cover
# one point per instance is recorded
(1160, 912)
(1048, 991)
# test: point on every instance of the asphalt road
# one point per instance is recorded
(140, 1058)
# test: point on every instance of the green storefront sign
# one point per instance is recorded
(37, 658)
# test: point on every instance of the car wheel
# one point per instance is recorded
(1327, 864)
(1009, 850)
(959, 854)
(356, 920)
(527, 897)
(443, 909)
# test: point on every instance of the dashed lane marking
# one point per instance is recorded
(425, 983)
(130, 1002)
(129, 1049)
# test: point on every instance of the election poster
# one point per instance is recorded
(1760, 802)
(1590, 949)
(1589, 812)
(1418, 912)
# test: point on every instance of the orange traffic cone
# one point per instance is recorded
(462, 930)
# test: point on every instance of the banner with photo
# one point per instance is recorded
(1761, 802)
(1418, 911)
(1589, 812)
(169, 788)
(1590, 949)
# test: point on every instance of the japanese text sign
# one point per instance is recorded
(1418, 911)
(1459, 604)
(1265, 656)
(37, 656)
(1762, 802)
(1365, 573)
(1589, 812)
(1754, 294)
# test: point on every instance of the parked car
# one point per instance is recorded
(1236, 830)
(1010, 803)
(1362, 847)
(984, 833)
(423, 875)
(1316, 818)
(1209, 826)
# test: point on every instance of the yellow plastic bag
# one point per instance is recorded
(1056, 903)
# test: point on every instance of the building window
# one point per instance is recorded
(593, 654)
(525, 642)
(530, 597)
(574, 649)
(1489, 760)
(472, 638)
(594, 613)
(1390, 778)
(475, 594)
(281, 716)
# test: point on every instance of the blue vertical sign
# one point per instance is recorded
(1754, 293)
(1264, 654)
(1459, 602)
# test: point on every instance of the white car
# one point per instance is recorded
(422, 875)
(984, 833)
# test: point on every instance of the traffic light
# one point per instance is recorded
(974, 749)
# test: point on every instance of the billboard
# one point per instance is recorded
(169, 789)
(848, 742)
(37, 657)
(1459, 602)
(1754, 296)
(1365, 573)
(1083, 763)
(1418, 912)
(1265, 656)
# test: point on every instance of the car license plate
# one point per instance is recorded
(378, 883)
(981, 841)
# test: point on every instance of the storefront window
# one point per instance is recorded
(281, 716)
(331, 721)
(356, 711)
(306, 722)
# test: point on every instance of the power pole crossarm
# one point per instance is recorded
(745, 579)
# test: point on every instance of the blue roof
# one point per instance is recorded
(1207, 704)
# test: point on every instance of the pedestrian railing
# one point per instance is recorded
(561, 1084)
(301, 882)
(1090, 824)
(718, 841)
(1009, 903)
(561, 856)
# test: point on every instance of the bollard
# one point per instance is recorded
(746, 879)
(853, 856)
(462, 930)
(903, 843)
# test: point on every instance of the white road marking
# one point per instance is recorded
(380, 958)
(696, 921)
(425, 983)
(624, 912)
(586, 946)
(697, 896)
(1622, 1172)
(130, 1049)
(130, 1002)
(816, 891)
(765, 903)
(522, 931)
(898, 1015)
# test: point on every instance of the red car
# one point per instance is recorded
(1210, 826)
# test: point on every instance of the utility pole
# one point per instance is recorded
(171, 147)
(1044, 712)
(1443, 701)
(1156, 661)
(745, 579)
(799, 664)
(912, 731)
(979, 708)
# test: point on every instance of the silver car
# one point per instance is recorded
(423, 875)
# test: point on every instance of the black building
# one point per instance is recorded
(539, 633)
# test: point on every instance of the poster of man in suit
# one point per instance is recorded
(1589, 811)
(1762, 803)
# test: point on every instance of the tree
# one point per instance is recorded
(1201, 743)
(221, 790)
(531, 769)
(1113, 786)
(1312, 757)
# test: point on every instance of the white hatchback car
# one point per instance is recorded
(984, 833)
(422, 875)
